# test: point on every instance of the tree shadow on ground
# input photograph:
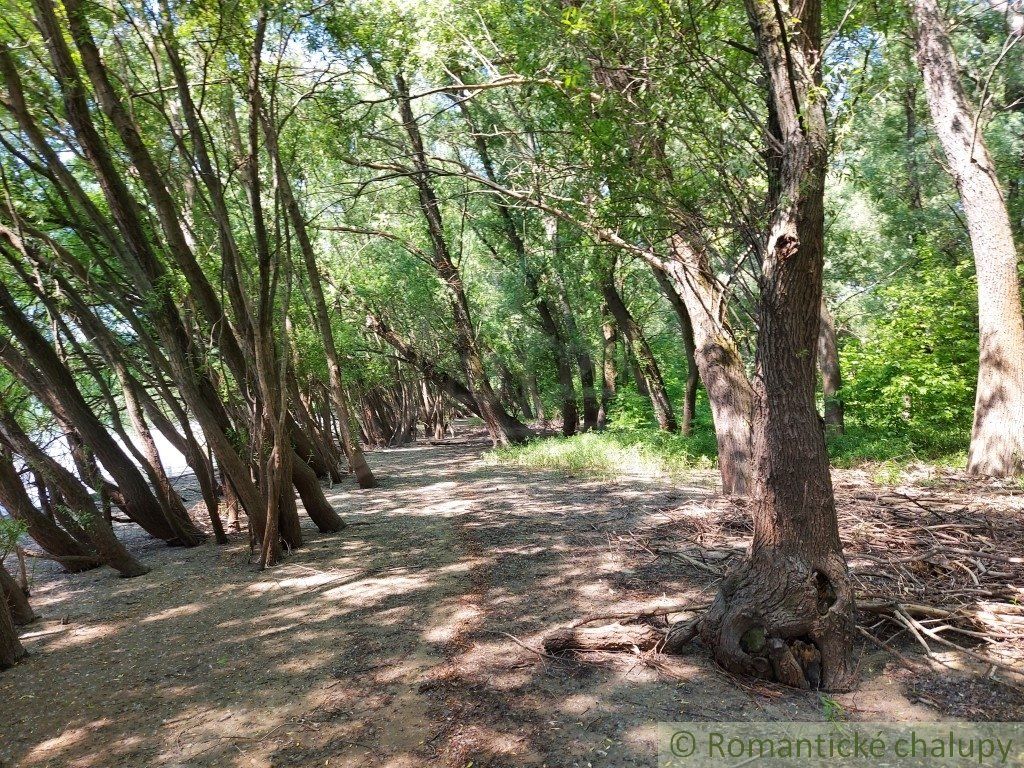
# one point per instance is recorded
(397, 642)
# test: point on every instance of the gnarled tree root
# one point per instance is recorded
(779, 617)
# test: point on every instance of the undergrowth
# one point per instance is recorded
(632, 446)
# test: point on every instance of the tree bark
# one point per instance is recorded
(11, 649)
(610, 336)
(997, 438)
(57, 389)
(64, 548)
(831, 375)
(717, 358)
(786, 612)
(15, 599)
(320, 511)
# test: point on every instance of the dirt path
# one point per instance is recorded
(389, 644)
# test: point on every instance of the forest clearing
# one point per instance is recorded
(504, 383)
(400, 641)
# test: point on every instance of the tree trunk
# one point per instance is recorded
(997, 439)
(647, 366)
(320, 511)
(610, 336)
(110, 550)
(910, 135)
(274, 438)
(503, 428)
(786, 612)
(831, 376)
(57, 389)
(46, 533)
(175, 509)
(717, 358)
(15, 599)
(537, 400)
(11, 649)
(689, 347)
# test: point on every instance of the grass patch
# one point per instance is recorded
(633, 452)
(650, 453)
(862, 445)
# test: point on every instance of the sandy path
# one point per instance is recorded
(386, 644)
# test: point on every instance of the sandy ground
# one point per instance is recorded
(399, 641)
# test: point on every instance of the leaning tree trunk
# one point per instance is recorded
(15, 599)
(11, 649)
(647, 366)
(503, 428)
(689, 347)
(997, 439)
(56, 388)
(831, 375)
(786, 611)
(107, 546)
(54, 540)
(717, 358)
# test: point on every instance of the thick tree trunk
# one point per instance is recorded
(786, 612)
(647, 366)
(317, 507)
(15, 599)
(503, 428)
(689, 347)
(997, 439)
(11, 649)
(831, 376)
(717, 358)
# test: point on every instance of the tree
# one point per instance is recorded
(11, 649)
(997, 437)
(786, 611)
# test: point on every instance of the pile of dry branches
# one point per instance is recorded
(944, 568)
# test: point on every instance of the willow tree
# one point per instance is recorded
(997, 437)
(786, 611)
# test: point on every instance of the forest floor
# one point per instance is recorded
(404, 640)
